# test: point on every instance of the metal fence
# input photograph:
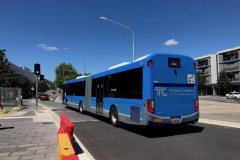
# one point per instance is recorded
(10, 97)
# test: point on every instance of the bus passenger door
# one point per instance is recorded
(99, 96)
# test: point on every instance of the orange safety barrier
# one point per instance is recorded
(66, 127)
(66, 150)
(73, 157)
(65, 147)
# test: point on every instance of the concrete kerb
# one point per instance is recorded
(218, 107)
(85, 155)
(220, 123)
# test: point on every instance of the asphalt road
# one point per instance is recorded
(199, 141)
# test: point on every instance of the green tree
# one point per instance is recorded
(43, 86)
(201, 81)
(223, 82)
(7, 75)
(63, 73)
(26, 86)
(52, 86)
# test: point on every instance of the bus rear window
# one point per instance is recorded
(174, 62)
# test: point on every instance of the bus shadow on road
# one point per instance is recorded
(153, 131)
(163, 131)
(156, 131)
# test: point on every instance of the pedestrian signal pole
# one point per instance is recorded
(37, 72)
(36, 96)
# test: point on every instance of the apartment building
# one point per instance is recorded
(207, 65)
(211, 65)
(23, 71)
(229, 60)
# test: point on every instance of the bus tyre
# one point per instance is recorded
(114, 117)
(66, 104)
(81, 108)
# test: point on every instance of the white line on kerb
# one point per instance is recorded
(86, 121)
(220, 123)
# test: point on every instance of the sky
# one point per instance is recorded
(39, 30)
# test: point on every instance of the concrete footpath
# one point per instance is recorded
(220, 113)
(28, 134)
(32, 135)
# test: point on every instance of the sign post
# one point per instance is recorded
(32, 91)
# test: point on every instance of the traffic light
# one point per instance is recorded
(37, 69)
(41, 77)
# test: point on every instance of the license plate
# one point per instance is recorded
(158, 120)
(175, 119)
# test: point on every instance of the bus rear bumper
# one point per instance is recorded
(154, 120)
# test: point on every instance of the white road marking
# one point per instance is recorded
(220, 123)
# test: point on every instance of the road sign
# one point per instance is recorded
(32, 88)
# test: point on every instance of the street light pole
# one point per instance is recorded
(130, 29)
(84, 65)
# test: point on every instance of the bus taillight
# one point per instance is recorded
(150, 63)
(194, 65)
(196, 105)
(150, 106)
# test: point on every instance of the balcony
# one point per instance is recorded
(234, 79)
(237, 78)
(230, 59)
(231, 69)
(206, 73)
(202, 65)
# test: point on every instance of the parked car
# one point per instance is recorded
(233, 95)
(39, 94)
(44, 96)
(236, 95)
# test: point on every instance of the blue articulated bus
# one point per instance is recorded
(156, 89)
(75, 92)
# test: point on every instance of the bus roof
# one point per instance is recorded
(131, 65)
(119, 68)
(143, 57)
(81, 76)
(118, 65)
(78, 79)
(140, 62)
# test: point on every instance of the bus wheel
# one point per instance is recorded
(114, 117)
(66, 104)
(81, 108)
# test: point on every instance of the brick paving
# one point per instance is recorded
(23, 138)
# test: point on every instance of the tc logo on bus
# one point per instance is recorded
(161, 91)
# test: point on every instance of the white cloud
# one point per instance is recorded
(47, 47)
(171, 42)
